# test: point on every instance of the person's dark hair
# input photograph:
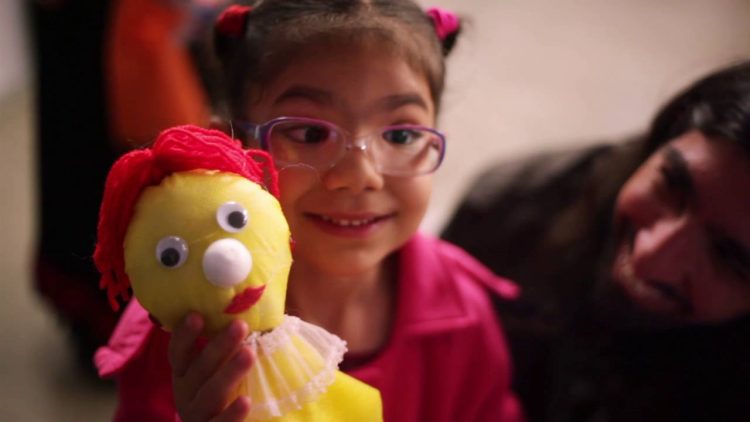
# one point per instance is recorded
(275, 31)
(717, 105)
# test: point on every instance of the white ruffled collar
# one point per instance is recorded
(294, 364)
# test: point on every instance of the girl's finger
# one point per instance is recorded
(221, 387)
(218, 350)
(182, 342)
(235, 412)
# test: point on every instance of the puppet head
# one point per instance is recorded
(189, 225)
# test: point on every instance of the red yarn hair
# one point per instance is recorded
(178, 149)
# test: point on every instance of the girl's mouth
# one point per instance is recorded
(349, 225)
(349, 222)
(244, 300)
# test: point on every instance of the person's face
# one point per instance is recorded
(684, 220)
(345, 220)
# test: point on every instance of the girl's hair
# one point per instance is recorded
(178, 149)
(263, 41)
(717, 105)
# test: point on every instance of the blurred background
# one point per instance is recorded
(527, 76)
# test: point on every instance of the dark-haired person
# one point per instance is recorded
(634, 260)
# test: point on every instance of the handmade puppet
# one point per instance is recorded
(190, 226)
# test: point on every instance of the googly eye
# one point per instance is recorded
(232, 217)
(171, 252)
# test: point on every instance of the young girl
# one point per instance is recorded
(344, 95)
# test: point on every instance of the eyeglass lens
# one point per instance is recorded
(398, 150)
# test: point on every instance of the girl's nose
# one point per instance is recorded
(359, 144)
(227, 262)
(664, 251)
(355, 170)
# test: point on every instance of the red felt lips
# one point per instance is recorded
(243, 301)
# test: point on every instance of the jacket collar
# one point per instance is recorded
(437, 284)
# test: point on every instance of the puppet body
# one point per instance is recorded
(211, 239)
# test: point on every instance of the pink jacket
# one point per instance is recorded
(446, 359)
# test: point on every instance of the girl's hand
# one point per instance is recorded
(205, 380)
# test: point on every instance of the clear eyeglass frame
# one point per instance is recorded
(397, 150)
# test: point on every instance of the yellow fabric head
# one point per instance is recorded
(210, 242)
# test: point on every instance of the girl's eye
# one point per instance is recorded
(232, 217)
(308, 134)
(401, 136)
(171, 252)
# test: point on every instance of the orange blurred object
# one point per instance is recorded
(152, 82)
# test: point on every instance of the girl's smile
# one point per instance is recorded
(350, 225)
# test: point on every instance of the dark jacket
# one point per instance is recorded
(580, 350)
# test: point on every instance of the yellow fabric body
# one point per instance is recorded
(347, 399)
(185, 205)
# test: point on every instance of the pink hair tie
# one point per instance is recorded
(444, 21)
(231, 22)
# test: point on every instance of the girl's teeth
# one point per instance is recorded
(346, 223)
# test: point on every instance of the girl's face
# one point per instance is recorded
(345, 220)
(685, 223)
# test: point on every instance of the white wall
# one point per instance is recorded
(13, 57)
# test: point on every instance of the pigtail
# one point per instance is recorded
(450, 41)
(230, 34)
(230, 29)
(447, 26)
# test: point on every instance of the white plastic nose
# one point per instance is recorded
(227, 262)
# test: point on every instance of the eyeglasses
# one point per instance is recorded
(398, 150)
